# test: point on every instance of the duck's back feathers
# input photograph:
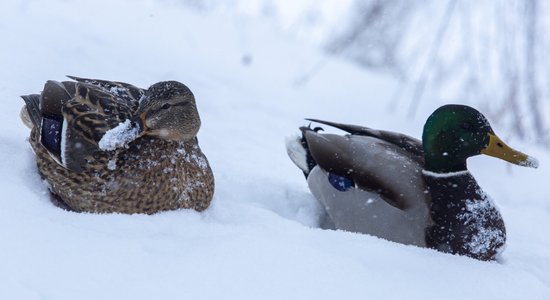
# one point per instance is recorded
(369, 181)
(410, 144)
(121, 90)
(71, 117)
(372, 164)
(92, 111)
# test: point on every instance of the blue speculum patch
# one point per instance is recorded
(51, 134)
(340, 183)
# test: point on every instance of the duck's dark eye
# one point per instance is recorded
(165, 106)
(466, 125)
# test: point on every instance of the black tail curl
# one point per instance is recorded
(309, 158)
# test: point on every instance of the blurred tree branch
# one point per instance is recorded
(491, 54)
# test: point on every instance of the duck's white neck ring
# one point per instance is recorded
(445, 175)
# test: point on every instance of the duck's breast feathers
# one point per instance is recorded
(465, 219)
(373, 164)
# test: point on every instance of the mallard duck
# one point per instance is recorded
(105, 146)
(401, 189)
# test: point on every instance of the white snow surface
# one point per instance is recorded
(260, 237)
(119, 136)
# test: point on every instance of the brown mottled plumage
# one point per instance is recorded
(163, 168)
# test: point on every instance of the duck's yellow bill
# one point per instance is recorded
(497, 148)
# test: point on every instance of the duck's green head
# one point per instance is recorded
(455, 132)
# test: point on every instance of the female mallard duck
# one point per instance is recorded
(398, 188)
(107, 146)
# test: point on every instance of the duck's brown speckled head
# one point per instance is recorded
(168, 111)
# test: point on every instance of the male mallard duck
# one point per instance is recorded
(395, 187)
(108, 146)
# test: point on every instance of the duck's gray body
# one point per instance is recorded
(389, 198)
(401, 189)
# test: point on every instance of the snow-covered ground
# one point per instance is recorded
(259, 239)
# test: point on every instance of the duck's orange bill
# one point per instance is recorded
(497, 148)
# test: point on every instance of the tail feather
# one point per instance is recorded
(298, 152)
(32, 105)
